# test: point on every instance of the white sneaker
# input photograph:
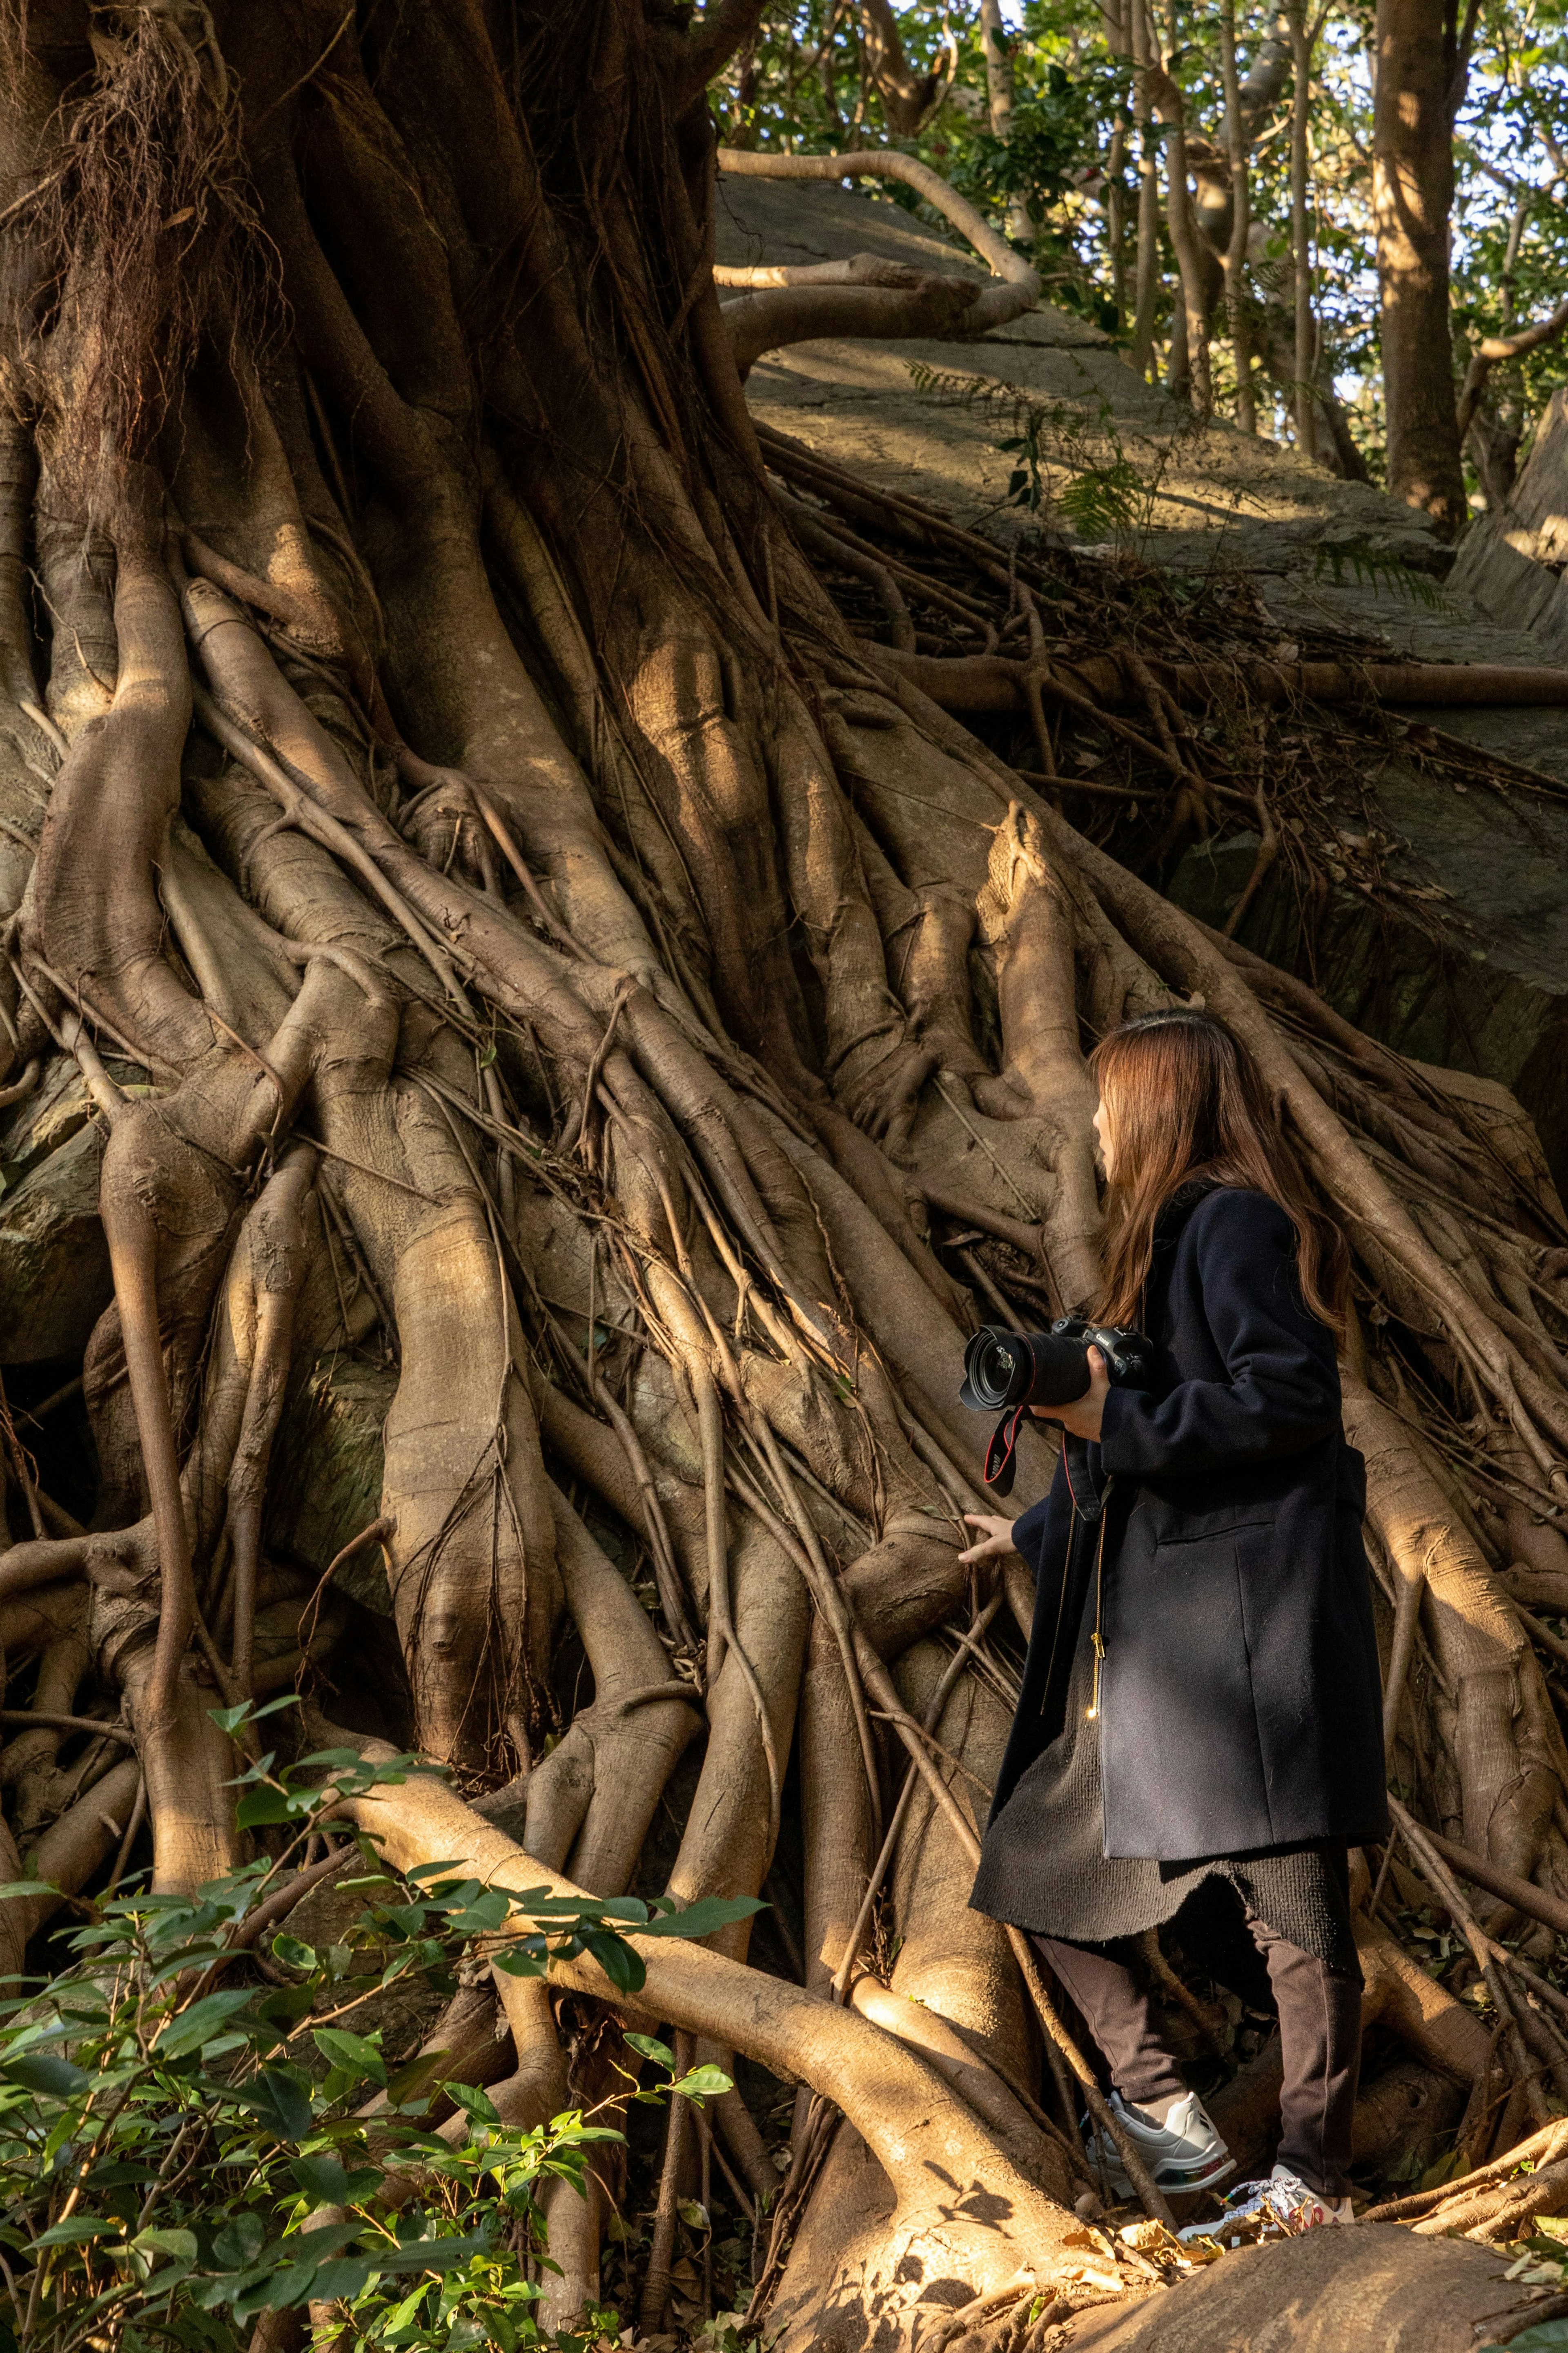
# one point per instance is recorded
(1287, 2198)
(1183, 2154)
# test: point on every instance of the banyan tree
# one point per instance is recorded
(565, 934)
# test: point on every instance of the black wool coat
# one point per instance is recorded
(1240, 1692)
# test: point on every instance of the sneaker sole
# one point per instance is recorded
(1182, 2184)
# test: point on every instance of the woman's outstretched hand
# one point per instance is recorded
(996, 1540)
(1084, 1416)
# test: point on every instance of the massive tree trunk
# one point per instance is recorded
(1413, 192)
(513, 942)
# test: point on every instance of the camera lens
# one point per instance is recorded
(1003, 1368)
(998, 1369)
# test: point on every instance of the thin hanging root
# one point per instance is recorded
(661, 2246)
(301, 811)
(667, 1569)
(426, 780)
(1402, 1645)
(722, 1638)
(932, 1717)
(277, 1244)
(807, 1553)
(20, 1089)
(377, 1531)
(1523, 2025)
(829, 1603)
(132, 1243)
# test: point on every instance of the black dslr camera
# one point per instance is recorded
(1006, 1372)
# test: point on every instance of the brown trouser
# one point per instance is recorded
(1319, 2037)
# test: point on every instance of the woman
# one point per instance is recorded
(1200, 1721)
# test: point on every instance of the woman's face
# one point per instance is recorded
(1104, 1139)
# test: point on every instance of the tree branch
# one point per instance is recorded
(1504, 347)
(793, 313)
(711, 44)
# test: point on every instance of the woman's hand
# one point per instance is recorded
(1084, 1416)
(997, 1539)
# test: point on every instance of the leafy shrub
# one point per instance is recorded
(179, 2153)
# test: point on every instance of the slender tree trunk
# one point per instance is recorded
(828, 68)
(1117, 45)
(1184, 229)
(1240, 223)
(1302, 404)
(1413, 189)
(999, 93)
(1116, 218)
(1147, 277)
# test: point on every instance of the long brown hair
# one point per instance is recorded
(1183, 1099)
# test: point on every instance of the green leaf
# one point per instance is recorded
(350, 2050)
(264, 1805)
(37, 2072)
(239, 2241)
(429, 2254)
(473, 2103)
(179, 2246)
(659, 2052)
(1546, 2337)
(694, 2215)
(248, 2297)
(346, 2278)
(703, 2083)
(402, 2314)
(701, 1919)
(630, 1908)
(321, 2178)
(621, 1965)
(408, 1919)
(486, 1910)
(76, 2232)
(229, 1719)
(526, 1958)
(189, 2028)
(315, 2246)
(281, 2098)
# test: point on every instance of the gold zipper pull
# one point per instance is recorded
(1098, 1606)
(1094, 1695)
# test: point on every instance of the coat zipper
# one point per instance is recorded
(1062, 1596)
(1098, 1598)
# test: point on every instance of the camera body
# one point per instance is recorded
(1006, 1372)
